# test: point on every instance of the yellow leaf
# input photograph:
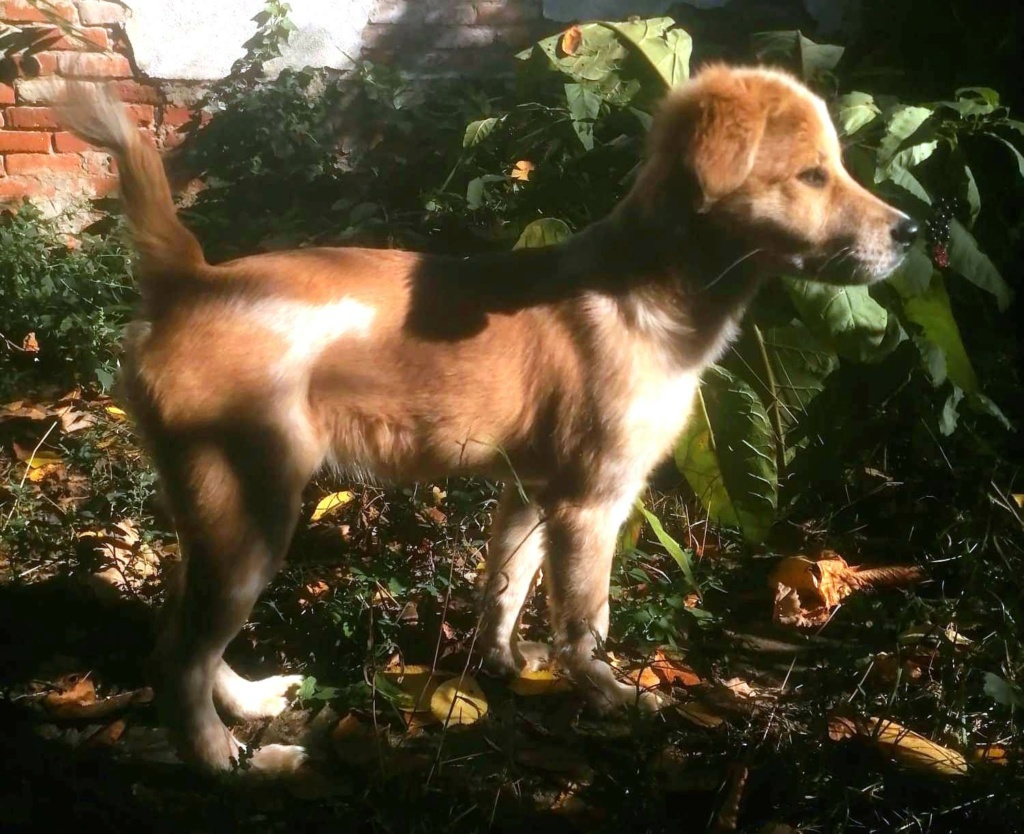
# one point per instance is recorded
(37, 459)
(417, 683)
(539, 682)
(330, 503)
(458, 701)
(114, 411)
(902, 745)
(1018, 498)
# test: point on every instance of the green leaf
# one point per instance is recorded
(902, 123)
(847, 318)
(727, 454)
(987, 94)
(812, 59)
(666, 49)
(897, 169)
(950, 415)
(584, 107)
(914, 275)
(969, 261)
(979, 402)
(544, 232)
(1002, 691)
(800, 364)
(682, 557)
(477, 131)
(855, 111)
(931, 311)
(972, 193)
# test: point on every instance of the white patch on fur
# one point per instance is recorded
(307, 329)
(247, 700)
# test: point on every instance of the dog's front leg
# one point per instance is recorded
(581, 544)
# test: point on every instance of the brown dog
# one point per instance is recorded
(574, 365)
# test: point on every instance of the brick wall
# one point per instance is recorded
(37, 158)
(59, 172)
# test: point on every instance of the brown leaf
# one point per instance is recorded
(72, 421)
(355, 741)
(74, 690)
(727, 818)
(571, 40)
(106, 736)
(700, 715)
(990, 754)
(30, 344)
(85, 710)
(806, 591)
(671, 671)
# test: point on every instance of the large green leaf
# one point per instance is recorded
(800, 363)
(666, 49)
(898, 168)
(931, 311)
(855, 111)
(901, 123)
(727, 455)
(847, 318)
(544, 232)
(682, 557)
(969, 261)
(812, 59)
(584, 107)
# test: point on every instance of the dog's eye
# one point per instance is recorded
(814, 177)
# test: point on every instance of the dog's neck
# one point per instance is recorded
(684, 283)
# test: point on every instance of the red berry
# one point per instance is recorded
(940, 254)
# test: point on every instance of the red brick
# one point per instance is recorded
(102, 186)
(175, 117)
(28, 66)
(142, 114)
(6, 94)
(37, 163)
(92, 36)
(14, 141)
(32, 118)
(99, 13)
(135, 93)
(69, 143)
(3, 172)
(19, 11)
(91, 65)
(14, 188)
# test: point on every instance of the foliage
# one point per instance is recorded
(74, 300)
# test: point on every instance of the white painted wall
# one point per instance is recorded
(201, 39)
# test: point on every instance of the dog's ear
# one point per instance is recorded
(704, 141)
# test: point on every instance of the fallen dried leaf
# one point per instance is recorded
(83, 710)
(354, 740)
(458, 701)
(901, 745)
(329, 503)
(699, 715)
(1018, 498)
(806, 591)
(727, 818)
(106, 736)
(73, 690)
(669, 670)
(30, 344)
(415, 684)
(571, 40)
(532, 682)
(115, 412)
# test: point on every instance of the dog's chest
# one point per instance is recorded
(657, 406)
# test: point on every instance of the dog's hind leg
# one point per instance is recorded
(236, 495)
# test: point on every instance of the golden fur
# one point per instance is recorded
(575, 364)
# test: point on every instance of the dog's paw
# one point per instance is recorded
(499, 661)
(254, 700)
(535, 656)
(278, 760)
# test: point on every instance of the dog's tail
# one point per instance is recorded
(166, 248)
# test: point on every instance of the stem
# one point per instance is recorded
(776, 405)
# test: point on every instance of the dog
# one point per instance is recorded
(567, 371)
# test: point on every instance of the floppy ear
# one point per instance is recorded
(724, 135)
(702, 144)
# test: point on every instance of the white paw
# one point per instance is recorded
(253, 700)
(278, 759)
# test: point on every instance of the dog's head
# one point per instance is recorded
(756, 153)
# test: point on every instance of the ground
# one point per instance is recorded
(774, 729)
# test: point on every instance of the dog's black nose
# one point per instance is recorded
(904, 231)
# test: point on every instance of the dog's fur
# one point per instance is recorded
(574, 365)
